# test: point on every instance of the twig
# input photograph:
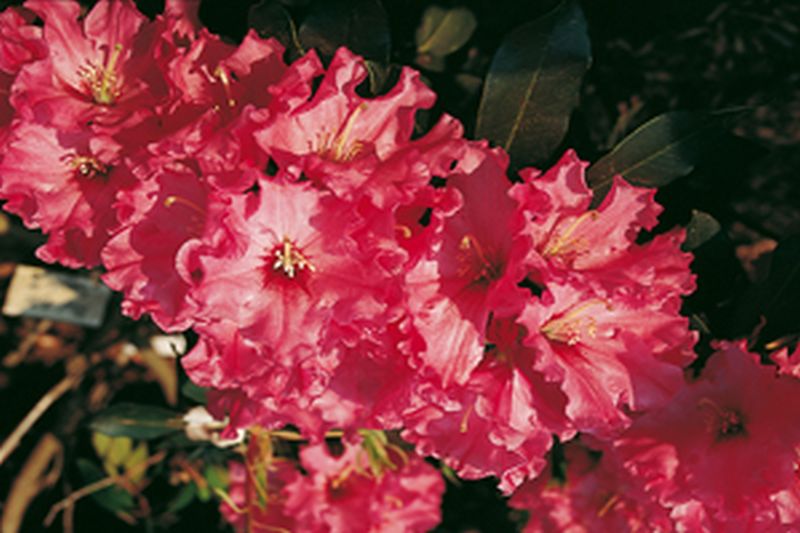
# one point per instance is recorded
(14, 358)
(42, 469)
(70, 500)
(100, 484)
(44, 403)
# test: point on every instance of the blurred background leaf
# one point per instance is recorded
(271, 19)
(360, 25)
(442, 32)
(137, 421)
(701, 228)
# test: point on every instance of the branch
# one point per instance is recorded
(101, 484)
(44, 403)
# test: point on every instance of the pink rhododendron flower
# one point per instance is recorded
(472, 271)
(64, 183)
(788, 364)
(217, 86)
(726, 445)
(291, 269)
(290, 284)
(250, 387)
(182, 20)
(99, 74)
(356, 491)
(361, 377)
(255, 502)
(373, 379)
(347, 494)
(20, 43)
(609, 354)
(161, 218)
(600, 243)
(352, 144)
(595, 495)
(501, 422)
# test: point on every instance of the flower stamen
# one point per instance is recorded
(404, 230)
(338, 147)
(725, 423)
(572, 325)
(169, 201)
(463, 427)
(471, 249)
(88, 167)
(196, 220)
(289, 259)
(612, 500)
(103, 82)
(564, 242)
(224, 78)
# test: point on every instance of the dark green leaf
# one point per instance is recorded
(700, 229)
(216, 476)
(114, 498)
(661, 150)
(296, 3)
(193, 392)
(379, 76)
(184, 497)
(443, 31)
(360, 25)
(270, 19)
(137, 421)
(533, 84)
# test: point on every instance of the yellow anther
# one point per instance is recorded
(103, 82)
(608, 505)
(169, 201)
(404, 230)
(88, 167)
(570, 327)
(223, 77)
(564, 241)
(463, 427)
(338, 147)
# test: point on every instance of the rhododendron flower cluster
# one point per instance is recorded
(370, 486)
(345, 271)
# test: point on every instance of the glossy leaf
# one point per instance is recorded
(194, 392)
(137, 421)
(113, 498)
(700, 229)
(533, 84)
(270, 19)
(661, 150)
(443, 31)
(185, 496)
(360, 25)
